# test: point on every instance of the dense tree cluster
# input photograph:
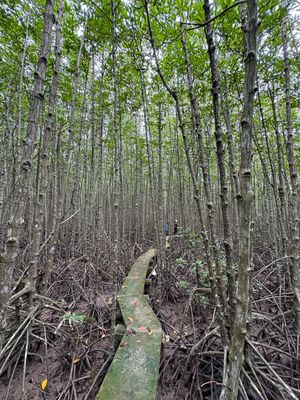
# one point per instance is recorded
(119, 116)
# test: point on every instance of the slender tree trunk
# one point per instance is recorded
(234, 180)
(116, 163)
(65, 170)
(205, 175)
(153, 185)
(239, 328)
(11, 249)
(53, 225)
(217, 290)
(221, 163)
(100, 193)
(280, 188)
(159, 207)
(294, 200)
(17, 140)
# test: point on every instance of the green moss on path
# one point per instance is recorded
(133, 373)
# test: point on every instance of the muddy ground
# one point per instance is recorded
(80, 343)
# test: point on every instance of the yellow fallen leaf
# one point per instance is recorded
(130, 319)
(44, 384)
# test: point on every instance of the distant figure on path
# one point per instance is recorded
(175, 227)
(166, 228)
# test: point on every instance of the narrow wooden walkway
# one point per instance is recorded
(133, 373)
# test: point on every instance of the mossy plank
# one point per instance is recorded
(135, 281)
(137, 312)
(132, 286)
(133, 373)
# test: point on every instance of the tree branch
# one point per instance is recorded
(203, 24)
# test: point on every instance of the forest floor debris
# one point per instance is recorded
(79, 345)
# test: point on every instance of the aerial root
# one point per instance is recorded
(273, 377)
(198, 363)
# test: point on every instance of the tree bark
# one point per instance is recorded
(48, 132)
(11, 249)
(221, 164)
(239, 328)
